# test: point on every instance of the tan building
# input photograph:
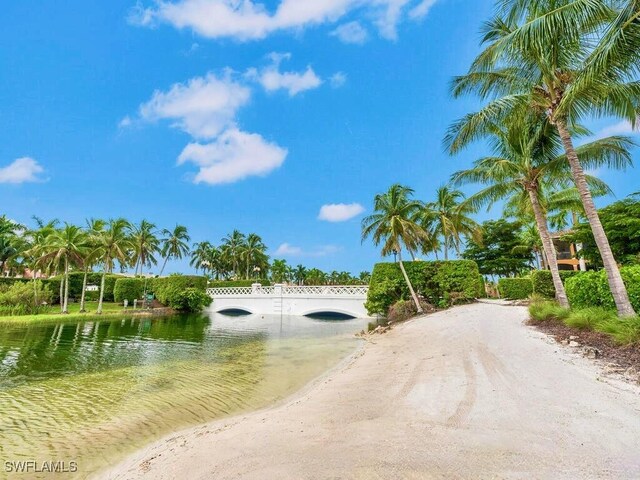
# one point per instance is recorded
(567, 252)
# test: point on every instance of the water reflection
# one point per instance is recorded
(93, 391)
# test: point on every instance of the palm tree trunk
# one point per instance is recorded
(549, 249)
(446, 250)
(65, 307)
(616, 285)
(164, 265)
(84, 289)
(406, 279)
(61, 294)
(104, 274)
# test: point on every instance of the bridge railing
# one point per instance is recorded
(291, 291)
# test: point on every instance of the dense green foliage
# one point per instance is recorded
(177, 291)
(129, 289)
(621, 222)
(238, 283)
(543, 283)
(515, 288)
(623, 331)
(439, 283)
(24, 298)
(497, 253)
(591, 289)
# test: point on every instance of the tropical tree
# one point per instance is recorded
(280, 271)
(175, 244)
(145, 245)
(253, 254)
(300, 274)
(315, 276)
(113, 243)
(448, 218)
(394, 226)
(565, 59)
(526, 159)
(94, 227)
(65, 246)
(200, 254)
(232, 247)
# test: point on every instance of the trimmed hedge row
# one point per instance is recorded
(440, 283)
(181, 292)
(591, 289)
(129, 289)
(515, 288)
(543, 282)
(238, 283)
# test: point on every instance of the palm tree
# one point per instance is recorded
(564, 59)
(393, 224)
(280, 271)
(94, 227)
(253, 253)
(174, 244)
(448, 219)
(200, 255)
(232, 246)
(66, 246)
(299, 274)
(146, 244)
(113, 244)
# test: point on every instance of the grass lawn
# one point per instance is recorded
(53, 313)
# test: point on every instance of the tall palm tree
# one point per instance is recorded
(449, 218)
(560, 58)
(300, 274)
(145, 244)
(94, 227)
(200, 254)
(113, 245)
(232, 246)
(253, 253)
(527, 158)
(280, 271)
(66, 246)
(175, 244)
(393, 225)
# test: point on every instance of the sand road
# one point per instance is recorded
(467, 393)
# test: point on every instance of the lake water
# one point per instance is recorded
(94, 391)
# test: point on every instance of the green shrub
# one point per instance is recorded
(438, 283)
(190, 300)
(238, 283)
(623, 331)
(24, 298)
(128, 289)
(589, 318)
(591, 289)
(482, 291)
(543, 282)
(170, 291)
(6, 282)
(515, 288)
(542, 311)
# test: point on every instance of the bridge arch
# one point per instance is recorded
(329, 311)
(234, 309)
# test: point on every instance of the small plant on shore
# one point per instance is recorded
(623, 331)
(542, 311)
(589, 318)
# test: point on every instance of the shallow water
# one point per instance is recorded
(93, 391)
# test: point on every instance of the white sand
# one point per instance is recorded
(467, 393)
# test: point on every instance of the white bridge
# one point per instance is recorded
(292, 300)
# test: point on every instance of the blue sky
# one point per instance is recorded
(223, 114)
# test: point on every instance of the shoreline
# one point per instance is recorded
(454, 393)
(74, 317)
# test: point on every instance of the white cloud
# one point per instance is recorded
(21, 170)
(288, 250)
(233, 156)
(203, 107)
(352, 32)
(340, 212)
(338, 79)
(621, 128)
(125, 122)
(249, 20)
(272, 79)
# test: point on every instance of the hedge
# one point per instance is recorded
(515, 288)
(129, 289)
(93, 278)
(591, 289)
(440, 283)
(179, 291)
(238, 283)
(543, 282)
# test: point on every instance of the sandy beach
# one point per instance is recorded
(467, 393)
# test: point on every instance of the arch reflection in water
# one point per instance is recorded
(96, 390)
